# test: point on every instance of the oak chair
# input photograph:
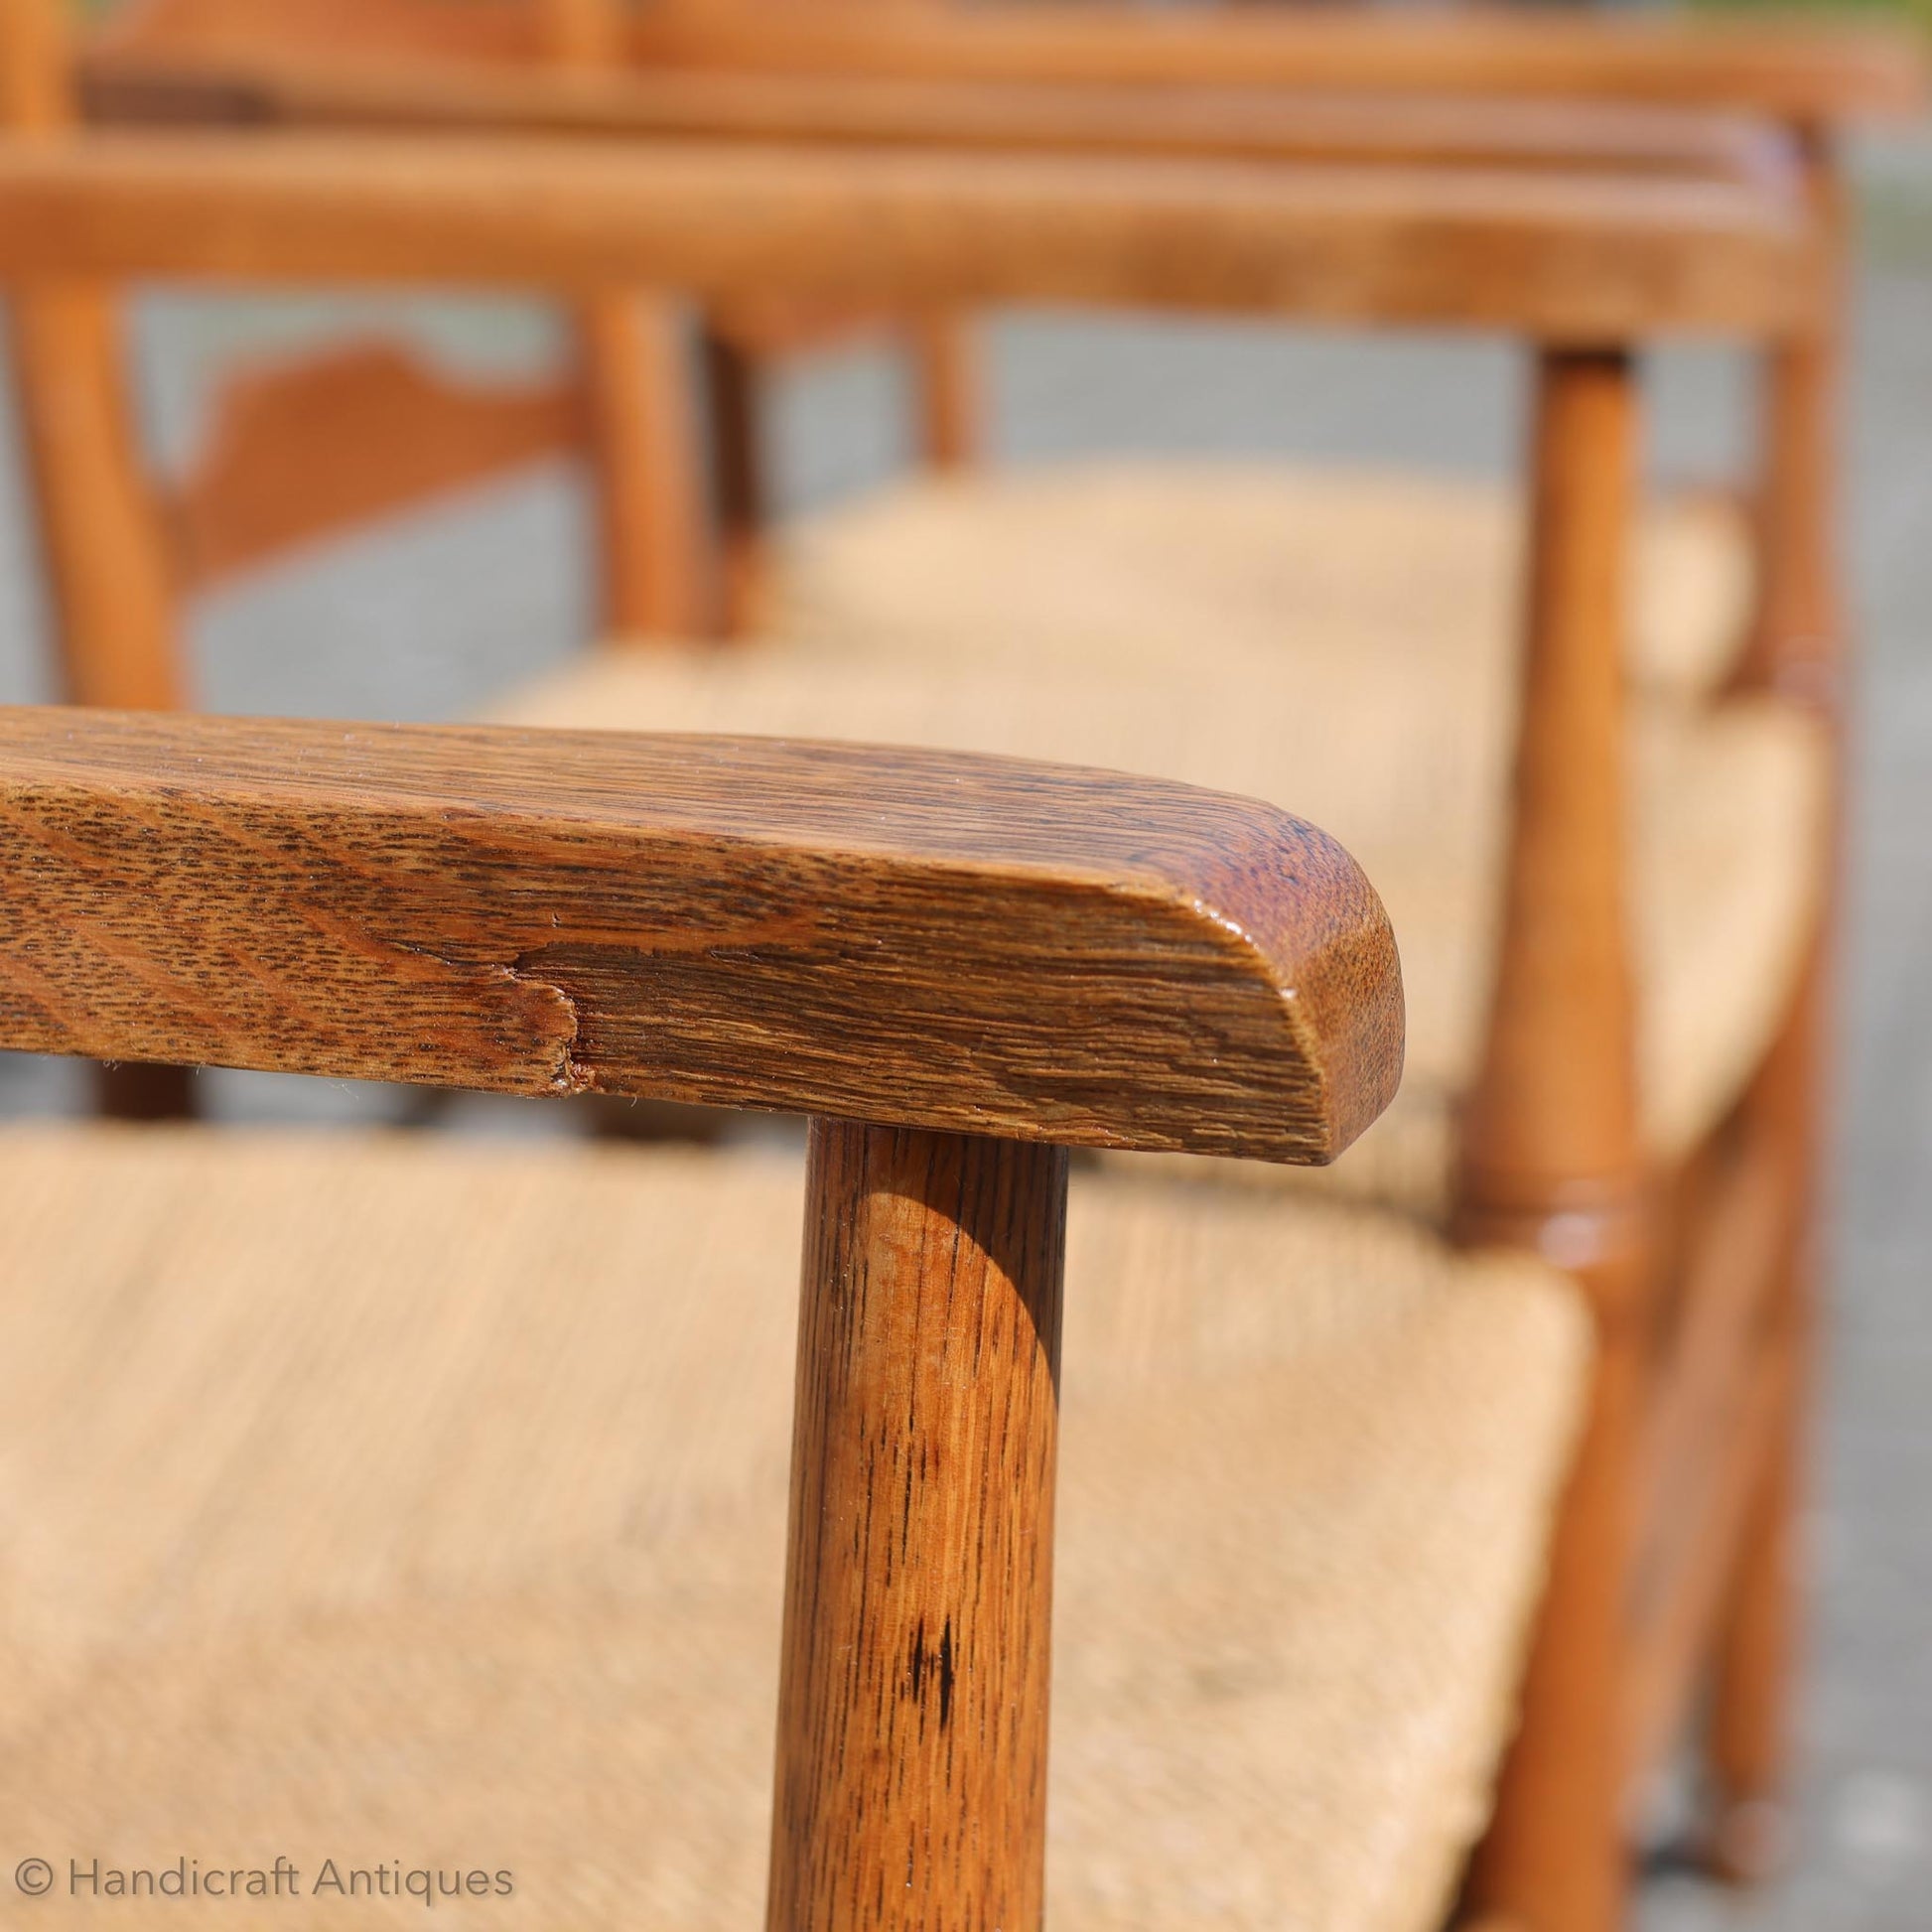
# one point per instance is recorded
(531, 913)
(1539, 90)
(1697, 1337)
(549, 1383)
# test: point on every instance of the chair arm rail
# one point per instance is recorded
(915, 939)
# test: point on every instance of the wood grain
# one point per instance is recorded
(912, 1777)
(304, 449)
(918, 938)
(1586, 257)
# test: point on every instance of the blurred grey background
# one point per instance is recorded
(445, 607)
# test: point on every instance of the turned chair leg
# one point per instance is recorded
(1550, 1143)
(911, 1766)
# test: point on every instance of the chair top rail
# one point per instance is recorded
(1799, 68)
(281, 87)
(1810, 71)
(1581, 258)
(916, 938)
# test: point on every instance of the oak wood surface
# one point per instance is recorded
(1584, 258)
(978, 944)
(912, 1764)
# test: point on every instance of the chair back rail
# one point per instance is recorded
(1794, 69)
(1584, 259)
(272, 85)
(1817, 75)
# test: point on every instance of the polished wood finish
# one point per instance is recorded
(1551, 1156)
(912, 1712)
(907, 938)
(1587, 258)
(301, 451)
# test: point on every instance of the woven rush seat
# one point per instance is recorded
(1729, 811)
(396, 1499)
(1106, 564)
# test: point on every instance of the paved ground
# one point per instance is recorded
(419, 624)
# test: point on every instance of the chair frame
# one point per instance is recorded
(1114, 80)
(1551, 1161)
(1576, 93)
(479, 920)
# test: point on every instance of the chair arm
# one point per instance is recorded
(915, 939)
(1583, 258)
